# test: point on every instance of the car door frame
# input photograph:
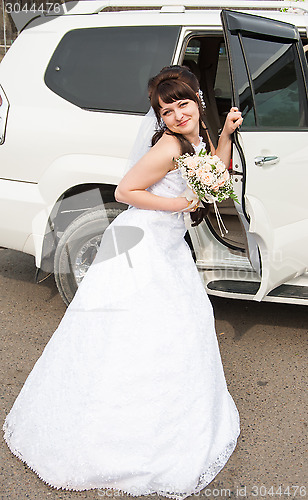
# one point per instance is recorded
(234, 24)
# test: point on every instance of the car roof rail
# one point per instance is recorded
(22, 20)
(97, 6)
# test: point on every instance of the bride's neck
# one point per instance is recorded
(197, 141)
(193, 139)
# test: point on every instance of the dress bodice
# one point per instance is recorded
(173, 184)
(170, 186)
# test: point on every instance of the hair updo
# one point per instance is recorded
(174, 83)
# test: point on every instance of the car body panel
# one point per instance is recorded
(274, 198)
(52, 148)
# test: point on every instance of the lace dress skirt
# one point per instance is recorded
(130, 393)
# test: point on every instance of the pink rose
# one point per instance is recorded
(207, 167)
(220, 182)
(199, 171)
(207, 178)
(226, 175)
(223, 178)
(192, 162)
(220, 167)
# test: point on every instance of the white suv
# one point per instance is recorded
(73, 91)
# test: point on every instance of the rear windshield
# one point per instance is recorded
(109, 68)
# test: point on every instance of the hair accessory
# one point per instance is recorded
(201, 98)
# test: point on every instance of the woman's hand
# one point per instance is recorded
(182, 204)
(198, 210)
(233, 121)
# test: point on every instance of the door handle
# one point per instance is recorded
(269, 160)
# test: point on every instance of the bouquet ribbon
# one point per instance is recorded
(191, 196)
(222, 228)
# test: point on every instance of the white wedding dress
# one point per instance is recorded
(129, 393)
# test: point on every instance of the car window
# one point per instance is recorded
(108, 68)
(271, 91)
(222, 86)
(191, 56)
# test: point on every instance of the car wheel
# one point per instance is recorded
(78, 246)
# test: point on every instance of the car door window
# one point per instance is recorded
(275, 86)
(270, 84)
(269, 72)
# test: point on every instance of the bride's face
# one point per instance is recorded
(181, 116)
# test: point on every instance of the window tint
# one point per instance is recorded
(275, 84)
(192, 50)
(109, 68)
(191, 56)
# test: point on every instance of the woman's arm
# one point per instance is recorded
(152, 167)
(233, 121)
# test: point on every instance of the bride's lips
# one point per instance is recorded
(183, 123)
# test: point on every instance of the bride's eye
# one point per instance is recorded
(165, 113)
(183, 104)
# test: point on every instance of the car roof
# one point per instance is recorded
(164, 12)
(96, 6)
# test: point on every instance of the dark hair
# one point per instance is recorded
(172, 84)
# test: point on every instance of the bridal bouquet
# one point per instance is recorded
(208, 180)
(207, 177)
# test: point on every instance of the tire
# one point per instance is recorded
(78, 246)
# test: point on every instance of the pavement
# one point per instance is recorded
(264, 352)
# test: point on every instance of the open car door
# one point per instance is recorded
(268, 73)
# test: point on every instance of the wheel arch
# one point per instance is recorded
(70, 205)
(62, 179)
(78, 246)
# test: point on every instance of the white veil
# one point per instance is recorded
(142, 143)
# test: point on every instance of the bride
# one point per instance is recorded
(129, 394)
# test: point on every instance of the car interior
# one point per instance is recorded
(206, 57)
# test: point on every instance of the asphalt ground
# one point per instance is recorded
(264, 352)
